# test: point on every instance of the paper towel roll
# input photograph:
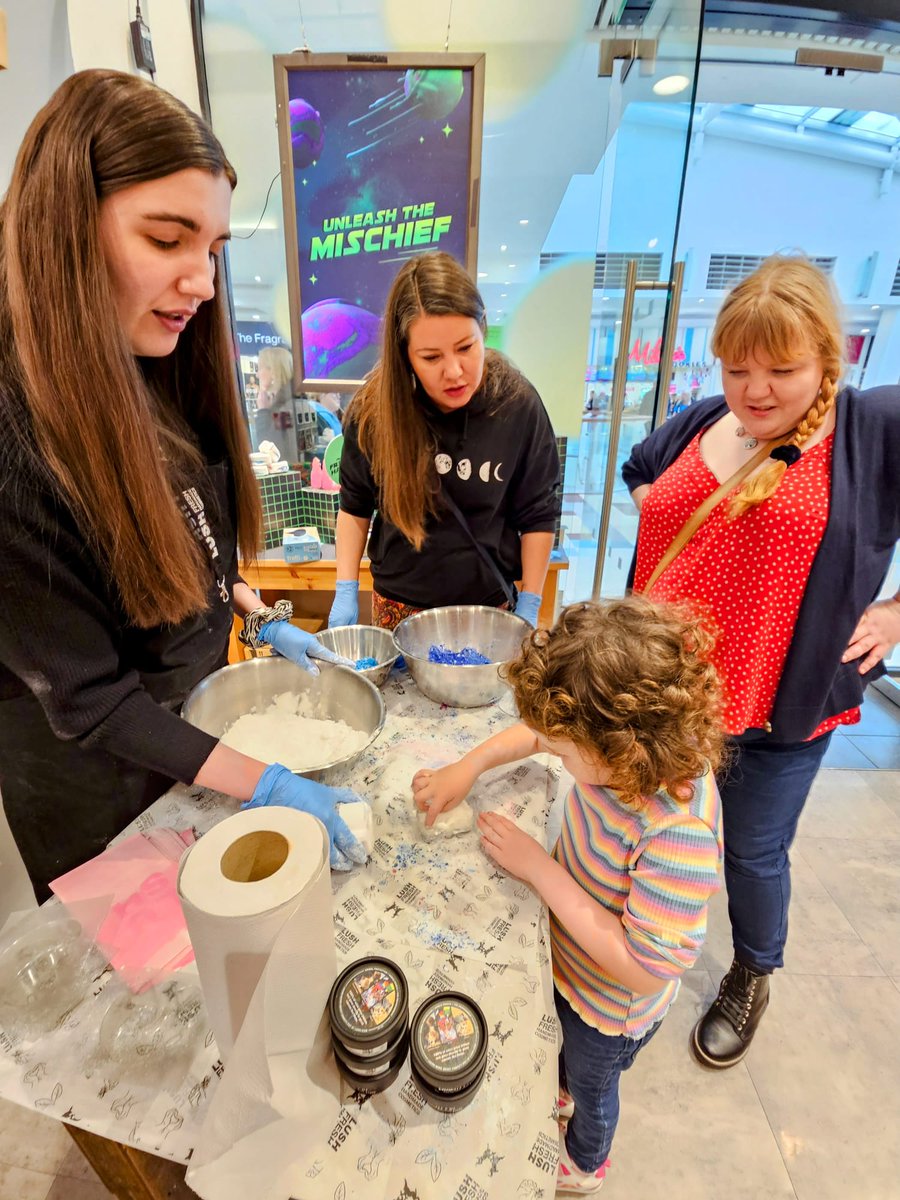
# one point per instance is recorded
(241, 885)
(256, 892)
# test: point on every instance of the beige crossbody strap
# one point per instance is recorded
(699, 515)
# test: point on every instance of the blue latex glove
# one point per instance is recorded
(527, 607)
(345, 609)
(277, 785)
(298, 645)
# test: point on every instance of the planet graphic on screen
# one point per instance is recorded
(307, 134)
(340, 339)
(435, 93)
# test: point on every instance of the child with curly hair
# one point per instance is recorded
(623, 693)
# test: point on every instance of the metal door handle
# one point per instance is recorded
(617, 400)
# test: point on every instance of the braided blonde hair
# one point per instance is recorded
(786, 309)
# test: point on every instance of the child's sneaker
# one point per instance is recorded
(571, 1180)
(566, 1105)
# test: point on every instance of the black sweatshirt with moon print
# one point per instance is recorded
(500, 463)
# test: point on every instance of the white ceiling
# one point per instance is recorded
(547, 114)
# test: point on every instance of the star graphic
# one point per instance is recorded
(313, 278)
(421, 140)
(447, 130)
(304, 183)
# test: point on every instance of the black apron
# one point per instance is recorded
(63, 802)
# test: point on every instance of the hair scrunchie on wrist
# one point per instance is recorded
(281, 610)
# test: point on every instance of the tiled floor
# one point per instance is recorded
(812, 1113)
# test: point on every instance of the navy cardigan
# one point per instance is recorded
(852, 560)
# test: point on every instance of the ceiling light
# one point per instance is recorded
(512, 266)
(604, 297)
(523, 221)
(503, 249)
(671, 85)
(503, 295)
(700, 301)
(482, 274)
(257, 317)
(875, 306)
(865, 331)
(257, 278)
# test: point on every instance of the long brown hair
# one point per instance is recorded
(631, 684)
(785, 309)
(115, 432)
(393, 433)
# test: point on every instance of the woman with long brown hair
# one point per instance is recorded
(122, 503)
(450, 446)
(774, 510)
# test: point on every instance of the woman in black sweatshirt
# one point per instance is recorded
(450, 446)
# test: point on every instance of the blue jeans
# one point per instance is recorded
(763, 792)
(590, 1064)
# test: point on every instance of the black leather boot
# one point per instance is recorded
(722, 1037)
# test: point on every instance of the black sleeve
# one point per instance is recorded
(534, 501)
(60, 634)
(359, 495)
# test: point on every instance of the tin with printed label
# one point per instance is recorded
(448, 1049)
(369, 1008)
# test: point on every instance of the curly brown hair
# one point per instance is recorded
(628, 682)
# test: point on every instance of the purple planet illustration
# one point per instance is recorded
(340, 339)
(307, 134)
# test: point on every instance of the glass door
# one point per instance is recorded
(795, 159)
(755, 154)
(637, 281)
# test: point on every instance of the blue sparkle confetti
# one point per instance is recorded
(467, 657)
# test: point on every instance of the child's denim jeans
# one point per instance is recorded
(590, 1064)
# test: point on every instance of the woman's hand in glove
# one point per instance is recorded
(277, 785)
(527, 606)
(345, 608)
(298, 645)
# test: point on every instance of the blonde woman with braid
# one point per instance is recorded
(786, 566)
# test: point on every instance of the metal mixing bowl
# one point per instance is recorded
(491, 631)
(337, 695)
(363, 641)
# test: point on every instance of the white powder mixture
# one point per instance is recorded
(286, 733)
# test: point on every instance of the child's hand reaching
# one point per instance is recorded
(443, 789)
(512, 848)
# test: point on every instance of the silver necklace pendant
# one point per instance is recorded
(751, 443)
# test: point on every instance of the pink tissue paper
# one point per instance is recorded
(126, 901)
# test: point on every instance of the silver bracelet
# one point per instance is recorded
(281, 610)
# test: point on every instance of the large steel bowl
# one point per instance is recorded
(363, 641)
(337, 695)
(491, 631)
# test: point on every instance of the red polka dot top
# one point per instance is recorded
(746, 577)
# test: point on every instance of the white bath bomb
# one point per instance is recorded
(449, 823)
(360, 823)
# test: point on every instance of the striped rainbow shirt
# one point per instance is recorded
(655, 868)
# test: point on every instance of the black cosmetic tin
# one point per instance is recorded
(448, 1050)
(369, 1008)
